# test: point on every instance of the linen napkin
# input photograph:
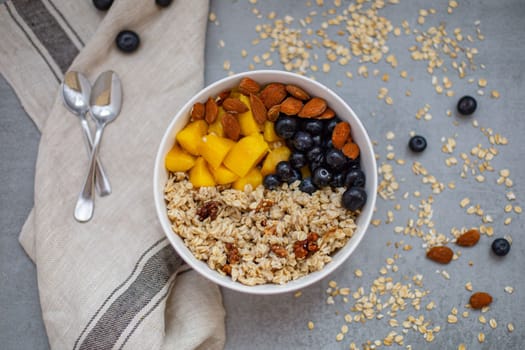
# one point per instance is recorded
(114, 282)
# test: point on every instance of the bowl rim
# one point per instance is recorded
(362, 222)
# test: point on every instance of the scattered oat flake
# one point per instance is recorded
(310, 325)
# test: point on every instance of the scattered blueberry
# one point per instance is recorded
(354, 198)
(286, 127)
(284, 170)
(500, 246)
(321, 177)
(297, 160)
(335, 159)
(163, 3)
(313, 126)
(102, 5)
(467, 105)
(417, 143)
(338, 180)
(302, 141)
(127, 41)
(271, 181)
(307, 185)
(355, 178)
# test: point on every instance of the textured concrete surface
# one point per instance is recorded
(255, 322)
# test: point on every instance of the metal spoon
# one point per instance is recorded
(75, 94)
(105, 103)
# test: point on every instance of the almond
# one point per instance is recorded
(273, 113)
(468, 239)
(258, 109)
(479, 300)
(351, 150)
(340, 134)
(297, 92)
(198, 111)
(291, 106)
(231, 126)
(212, 110)
(313, 108)
(273, 94)
(234, 105)
(222, 96)
(249, 86)
(327, 114)
(440, 254)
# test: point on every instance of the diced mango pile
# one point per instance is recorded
(210, 158)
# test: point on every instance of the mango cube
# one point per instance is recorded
(179, 160)
(254, 178)
(216, 127)
(190, 137)
(274, 157)
(200, 175)
(248, 123)
(223, 175)
(246, 154)
(214, 148)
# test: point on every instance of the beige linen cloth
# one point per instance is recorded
(114, 282)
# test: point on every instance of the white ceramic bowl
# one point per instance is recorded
(342, 110)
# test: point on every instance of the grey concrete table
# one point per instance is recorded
(255, 322)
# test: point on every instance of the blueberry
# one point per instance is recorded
(103, 5)
(307, 185)
(330, 125)
(355, 178)
(286, 127)
(271, 181)
(297, 160)
(335, 159)
(318, 140)
(354, 198)
(127, 41)
(338, 180)
(417, 143)
(321, 177)
(500, 246)
(315, 157)
(354, 163)
(296, 175)
(467, 105)
(328, 142)
(163, 3)
(284, 170)
(302, 141)
(313, 126)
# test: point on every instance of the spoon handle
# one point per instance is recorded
(101, 179)
(86, 199)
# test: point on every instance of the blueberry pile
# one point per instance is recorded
(315, 162)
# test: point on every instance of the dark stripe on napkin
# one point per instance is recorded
(67, 23)
(48, 31)
(149, 282)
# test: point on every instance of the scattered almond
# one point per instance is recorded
(468, 238)
(258, 109)
(273, 113)
(212, 110)
(297, 92)
(291, 106)
(313, 108)
(440, 254)
(249, 86)
(234, 105)
(231, 126)
(479, 300)
(198, 111)
(273, 94)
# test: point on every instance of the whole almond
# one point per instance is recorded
(212, 110)
(249, 86)
(479, 300)
(313, 108)
(291, 106)
(258, 109)
(273, 94)
(297, 92)
(231, 126)
(440, 254)
(234, 105)
(468, 238)
(327, 114)
(273, 113)
(222, 96)
(198, 111)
